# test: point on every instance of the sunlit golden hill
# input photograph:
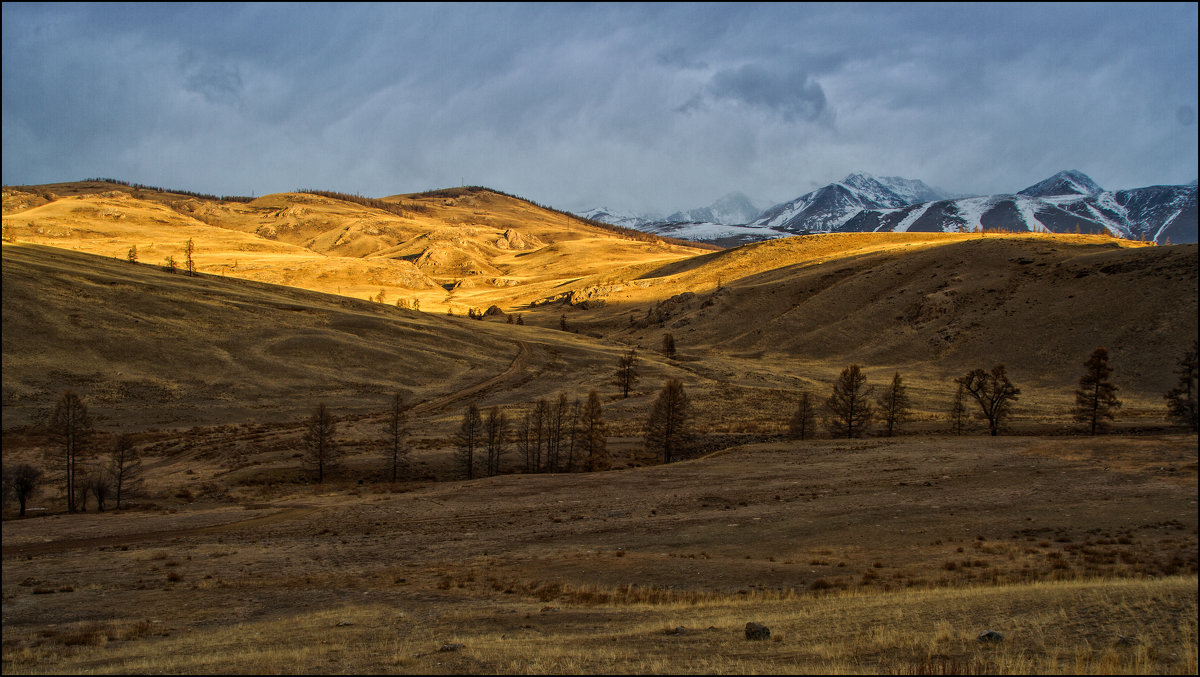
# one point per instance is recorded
(442, 249)
(932, 305)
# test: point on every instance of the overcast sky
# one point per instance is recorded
(644, 108)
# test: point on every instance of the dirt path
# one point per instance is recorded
(519, 363)
(126, 539)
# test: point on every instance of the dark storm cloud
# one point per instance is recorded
(643, 107)
(793, 95)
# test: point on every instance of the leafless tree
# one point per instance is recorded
(396, 431)
(848, 410)
(21, 482)
(894, 404)
(668, 345)
(802, 420)
(125, 468)
(627, 373)
(69, 427)
(595, 439)
(320, 449)
(958, 410)
(469, 437)
(188, 263)
(1096, 397)
(994, 394)
(495, 434)
(100, 484)
(667, 430)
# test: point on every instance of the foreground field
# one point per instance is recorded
(861, 556)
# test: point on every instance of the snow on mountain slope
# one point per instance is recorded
(1068, 202)
(1068, 182)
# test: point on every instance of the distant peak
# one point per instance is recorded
(1066, 182)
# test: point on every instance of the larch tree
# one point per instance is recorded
(1096, 397)
(594, 433)
(188, 263)
(495, 430)
(667, 432)
(396, 436)
(69, 427)
(958, 410)
(848, 410)
(801, 424)
(21, 481)
(994, 394)
(125, 468)
(469, 438)
(627, 372)
(894, 405)
(132, 255)
(668, 345)
(320, 449)
(1181, 400)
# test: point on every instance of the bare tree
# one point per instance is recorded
(627, 374)
(556, 429)
(100, 483)
(21, 482)
(894, 404)
(573, 432)
(958, 410)
(495, 434)
(802, 420)
(524, 437)
(396, 430)
(993, 392)
(667, 427)
(1181, 400)
(848, 410)
(69, 427)
(668, 345)
(188, 264)
(1096, 396)
(320, 449)
(125, 468)
(469, 437)
(540, 424)
(595, 439)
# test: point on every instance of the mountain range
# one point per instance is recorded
(1067, 202)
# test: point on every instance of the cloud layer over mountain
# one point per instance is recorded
(638, 107)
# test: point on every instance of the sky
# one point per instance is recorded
(637, 108)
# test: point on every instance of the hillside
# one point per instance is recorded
(435, 248)
(935, 303)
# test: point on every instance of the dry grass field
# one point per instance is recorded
(872, 555)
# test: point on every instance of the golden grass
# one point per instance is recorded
(1075, 627)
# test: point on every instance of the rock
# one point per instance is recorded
(451, 646)
(757, 631)
(990, 636)
(1122, 640)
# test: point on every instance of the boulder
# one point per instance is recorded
(757, 631)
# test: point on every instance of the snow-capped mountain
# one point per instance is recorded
(1067, 202)
(623, 219)
(827, 208)
(734, 209)
(1069, 182)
